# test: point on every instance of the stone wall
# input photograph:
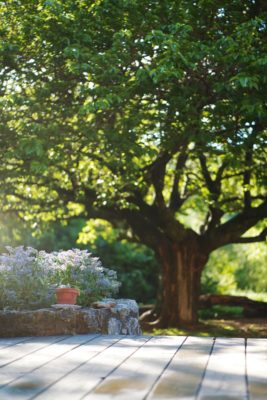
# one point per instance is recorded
(113, 317)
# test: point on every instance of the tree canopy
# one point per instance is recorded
(136, 112)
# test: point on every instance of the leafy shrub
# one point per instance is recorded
(24, 282)
(136, 266)
(28, 277)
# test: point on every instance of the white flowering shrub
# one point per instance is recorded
(77, 268)
(24, 282)
(28, 277)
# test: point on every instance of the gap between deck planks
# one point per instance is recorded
(123, 367)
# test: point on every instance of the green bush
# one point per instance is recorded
(136, 266)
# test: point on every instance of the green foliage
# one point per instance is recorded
(90, 101)
(251, 271)
(218, 276)
(57, 236)
(12, 232)
(136, 266)
(236, 267)
(137, 113)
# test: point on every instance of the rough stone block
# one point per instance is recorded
(119, 317)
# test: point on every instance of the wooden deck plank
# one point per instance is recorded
(257, 368)
(21, 349)
(135, 377)
(55, 348)
(87, 376)
(8, 342)
(225, 376)
(99, 367)
(184, 374)
(73, 351)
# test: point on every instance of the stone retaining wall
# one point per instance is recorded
(113, 317)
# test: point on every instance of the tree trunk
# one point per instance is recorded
(181, 273)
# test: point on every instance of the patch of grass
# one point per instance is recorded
(202, 329)
(175, 332)
(218, 328)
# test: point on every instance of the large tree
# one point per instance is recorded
(136, 112)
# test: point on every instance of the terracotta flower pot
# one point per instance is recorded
(66, 295)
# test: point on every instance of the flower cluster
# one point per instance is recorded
(77, 268)
(28, 277)
(24, 282)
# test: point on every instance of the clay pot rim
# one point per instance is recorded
(67, 289)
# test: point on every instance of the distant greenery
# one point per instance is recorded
(236, 267)
(136, 267)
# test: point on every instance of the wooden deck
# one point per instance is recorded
(131, 368)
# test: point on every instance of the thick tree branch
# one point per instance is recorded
(176, 199)
(206, 174)
(254, 239)
(156, 174)
(136, 198)
(219, 175)
(232, 230)
(145, 229)
(213, 185)
(246, 179)
(214, 214)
